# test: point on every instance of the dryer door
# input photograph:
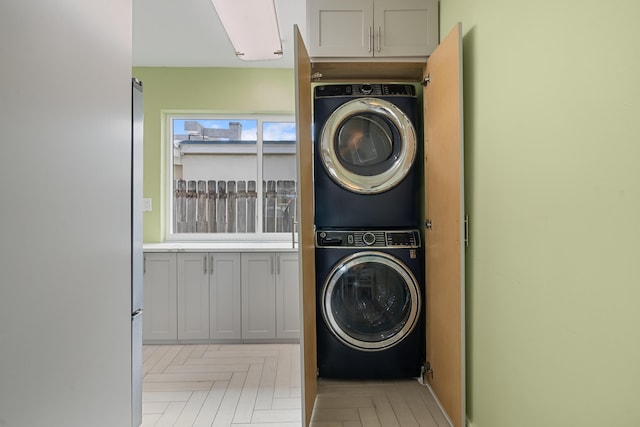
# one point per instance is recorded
(371, 301)
(368, 145)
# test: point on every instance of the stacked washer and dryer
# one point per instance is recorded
(369, 256)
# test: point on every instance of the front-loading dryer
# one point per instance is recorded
(367, 167)
(370, 315)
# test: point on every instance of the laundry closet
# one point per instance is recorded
(351, 323)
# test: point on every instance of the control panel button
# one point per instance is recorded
(366, 89)
(368, 238)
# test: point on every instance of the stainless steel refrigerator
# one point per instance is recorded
(136, 252)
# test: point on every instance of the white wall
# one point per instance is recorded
(226, 167)
(237, 167)
(65, 213)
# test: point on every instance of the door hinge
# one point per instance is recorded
(428, 370)
(428, 224)
(466, 231)
(426, 80)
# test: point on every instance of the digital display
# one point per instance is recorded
(400, 239)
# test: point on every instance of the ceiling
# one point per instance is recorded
(188, 33)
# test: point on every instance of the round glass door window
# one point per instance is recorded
(371, 301)
(368, 145)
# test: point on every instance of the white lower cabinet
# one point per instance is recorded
(224, 296)
(287, 296)
(270, 296)
(221, 296)
(160, 303)
(209, 296)
(258, 296)
(193, 296)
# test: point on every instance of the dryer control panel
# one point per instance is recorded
(365, 89)
(368, 238)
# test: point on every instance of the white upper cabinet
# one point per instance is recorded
(372, 28)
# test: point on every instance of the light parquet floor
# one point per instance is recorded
(241, 385)
(401, 403)
(221, 385)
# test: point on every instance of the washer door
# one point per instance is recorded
(368, 145)
(371, 301)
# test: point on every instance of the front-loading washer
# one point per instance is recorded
(367, 167)
(370, 315)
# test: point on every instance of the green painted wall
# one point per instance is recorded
(552, 122)
(217, 90)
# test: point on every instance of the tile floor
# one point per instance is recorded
(221, 385)
(401, 403)
(240, 385)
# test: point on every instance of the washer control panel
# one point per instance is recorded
(368, 238)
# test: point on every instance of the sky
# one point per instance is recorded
(273, 131)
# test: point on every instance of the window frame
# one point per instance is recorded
(260, 236)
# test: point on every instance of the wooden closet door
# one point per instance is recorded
(444, 239)
(306, 242)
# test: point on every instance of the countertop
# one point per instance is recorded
(284, 246)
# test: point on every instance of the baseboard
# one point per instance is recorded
(426, 384)
(435, 398)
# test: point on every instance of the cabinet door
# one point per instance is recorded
(444, 207)
(159, 285)
(224, 296)
(405, 27)
(258, 296)
(306, 238)
(193, 296)
(340, 28)
(287, 296)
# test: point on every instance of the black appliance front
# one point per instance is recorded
(370, 315)
(367, 171)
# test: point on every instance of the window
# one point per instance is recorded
(231, 177)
